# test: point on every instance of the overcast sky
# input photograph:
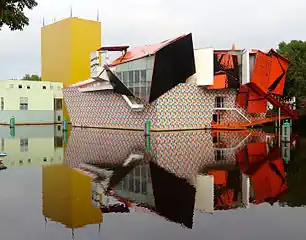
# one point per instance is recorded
(217, 23)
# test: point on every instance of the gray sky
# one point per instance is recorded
(248, 24)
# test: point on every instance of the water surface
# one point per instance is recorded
(107, 184)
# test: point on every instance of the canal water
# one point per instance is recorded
(108, 184)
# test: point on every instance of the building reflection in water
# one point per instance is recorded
(66, 197)
(183, 172)
(32, 146)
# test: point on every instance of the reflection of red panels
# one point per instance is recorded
(256, 151)
(220, 177)
(267, 183)
(278, 66)
(242, 96)
(256, 103)
(220, 82)
(226, 198)
(261, 71)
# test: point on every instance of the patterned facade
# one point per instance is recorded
(185, 106)
(183, 154)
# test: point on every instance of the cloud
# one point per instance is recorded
(259, 24)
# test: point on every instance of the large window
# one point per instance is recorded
(24, 103)
(137, 82)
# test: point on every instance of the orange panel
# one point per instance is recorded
(220, 81)
(278, 74)
(256, 103)
(220, 177)
(267, 183)
(261, 71)
(227, 61)
(242, 96)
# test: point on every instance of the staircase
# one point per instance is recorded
(270, 116)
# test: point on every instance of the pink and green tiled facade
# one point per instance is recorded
(185, 106)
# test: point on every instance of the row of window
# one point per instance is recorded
(137, 180)
(24, 143)
(29, 87)
(58, 104)
(137, 82)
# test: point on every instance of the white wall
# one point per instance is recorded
(38, 98)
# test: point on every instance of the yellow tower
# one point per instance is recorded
(66, 198)
(65, 50)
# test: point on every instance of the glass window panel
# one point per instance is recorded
(137, 186)
(126, 184)
(143, 75)
(144, 170)
(131, 77)
(137, 77)
(137, 171)
(131, 183)
(125, 77)
(119, 75)
(144, 187)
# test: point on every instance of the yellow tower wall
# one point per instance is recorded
(65, 50)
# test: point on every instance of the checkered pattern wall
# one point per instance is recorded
(184, 106)
(184, 154)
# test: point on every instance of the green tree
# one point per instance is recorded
(295, 84)
(12, 13)
(32, 77)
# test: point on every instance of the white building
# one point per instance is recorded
(31, 102)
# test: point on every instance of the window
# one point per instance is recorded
(219, 155)
(2, 103)
(44, 87)
(2, 144)
(24, 144)
(137, 77)
(125, 77)
(59, 128)
(58, 142)
(51, 87)
(144, 187)
(23, 103)
(58, 103)
(45, 159)
(131, 77)
(58, 118)
(137, 186)
(119, 75)
(219, 102)
(29, 160)
(143, 76)
(28, 87)
(19, 86)
(11, 85)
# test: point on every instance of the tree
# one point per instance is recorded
(12, 15)
(295, 84)
(32, 77)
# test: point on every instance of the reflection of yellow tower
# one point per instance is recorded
(66, 195)
(65, 50)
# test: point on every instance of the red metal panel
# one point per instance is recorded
(261, 72)
(242, 96)
(220, 82)
(256, 103)
(278, 74)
